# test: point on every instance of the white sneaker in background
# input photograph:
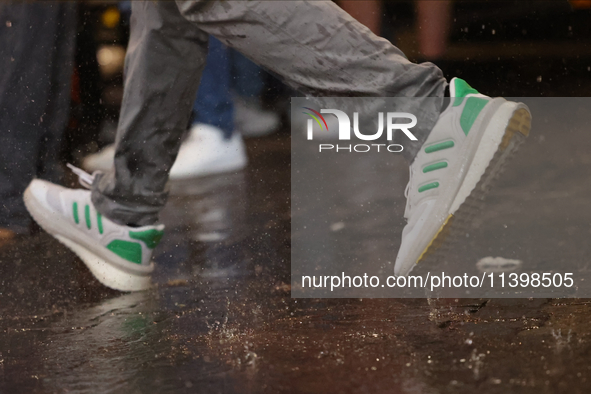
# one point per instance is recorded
(100, 161)
(463, 153)
(252, 120)
(204, 152)
(207, 152)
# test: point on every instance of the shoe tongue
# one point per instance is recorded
(460, 88)
(84, 178)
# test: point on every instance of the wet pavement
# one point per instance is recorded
(221, 319)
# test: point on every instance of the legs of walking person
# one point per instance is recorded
(35, 81)
(318, 49)
(314, 45)
(247, 78)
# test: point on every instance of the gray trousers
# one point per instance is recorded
(36, 64)
(314, 46)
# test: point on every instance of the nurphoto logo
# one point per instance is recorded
(343, 132)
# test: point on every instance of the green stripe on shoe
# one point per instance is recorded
(150, 237)
(87, 216)
(75, 210)
(439, 146)
(99, 222)
(471, 111)
(130, 251)
(435, 166)
(428, 186)
(462, 89)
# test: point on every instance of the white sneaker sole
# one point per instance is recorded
(118, 275)
(506, 130)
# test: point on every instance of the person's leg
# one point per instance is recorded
(36, 70)
(213, 105)
(212, 145)
(248, 82)
(58, 107)
(314, 45)
(247, 77)
(163, 66)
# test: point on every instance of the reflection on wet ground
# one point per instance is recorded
(221, 319)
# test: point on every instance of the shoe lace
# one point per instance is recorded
(84, 178)
(407, 191)
(407, 185)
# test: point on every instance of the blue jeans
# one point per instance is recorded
(213, 104)
(226, 70)
(247, 76)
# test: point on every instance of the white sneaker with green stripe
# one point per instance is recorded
(465, 150)
(118, 256)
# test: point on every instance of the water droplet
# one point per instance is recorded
(337, 226)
